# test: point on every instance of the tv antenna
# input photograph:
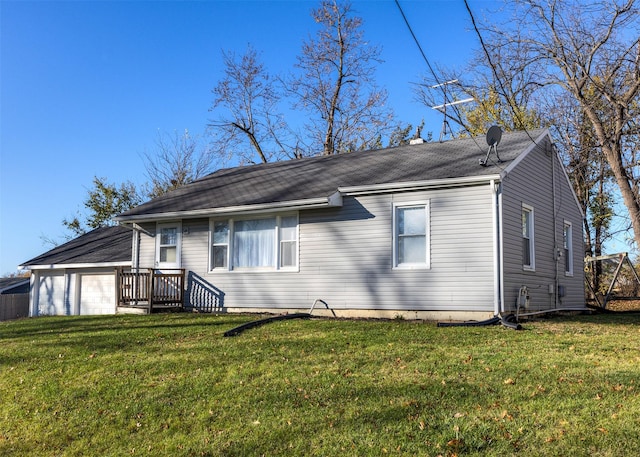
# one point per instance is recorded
(494, 135)
(443, 108)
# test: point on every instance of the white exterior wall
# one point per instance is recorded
(70, 292)
(346, 257)
(531, 183)
(48, 294)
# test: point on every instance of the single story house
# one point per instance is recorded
(454, 230)
(79, 277)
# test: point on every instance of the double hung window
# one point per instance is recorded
(411, 236)
(168, 245)
(261, 243)
(567, 237)
(528, 248)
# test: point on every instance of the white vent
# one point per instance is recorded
(416, 141)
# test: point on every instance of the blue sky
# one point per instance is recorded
(85, 86)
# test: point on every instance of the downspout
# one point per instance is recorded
(556, 249)
(135, 264)
(496, 194)
(135, 261)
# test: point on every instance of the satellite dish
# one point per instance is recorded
(494, 135)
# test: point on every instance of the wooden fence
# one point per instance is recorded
(14, 306)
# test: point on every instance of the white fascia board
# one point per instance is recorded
(418, 185)
(61, 266)
(333, 200)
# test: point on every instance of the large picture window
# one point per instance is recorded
(261, 243)
(411, 236)
(528, 247)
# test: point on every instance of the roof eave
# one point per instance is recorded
(58, 266)
(418, 185)
(333, 200)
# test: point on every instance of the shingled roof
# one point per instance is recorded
(320, 177)
(101, 246)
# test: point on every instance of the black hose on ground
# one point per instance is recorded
(281, 317)
(493, 321)
(509, 321)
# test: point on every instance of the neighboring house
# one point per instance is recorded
(79, 277)
(14, 285)
(422, 231)
(14, 298)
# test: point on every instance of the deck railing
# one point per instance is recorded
(151, 288)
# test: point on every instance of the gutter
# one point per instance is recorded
(333, 200)
(417, 185)
(56, 266)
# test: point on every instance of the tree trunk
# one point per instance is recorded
(614, 157)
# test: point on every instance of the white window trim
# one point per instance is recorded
(159, 227)
(416, 266)
(569, 225)
(532, 244)
(231, 268)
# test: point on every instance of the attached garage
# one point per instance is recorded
(50, 291)
(79, 277)
(97, 293)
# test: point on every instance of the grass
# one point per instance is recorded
(172, 385)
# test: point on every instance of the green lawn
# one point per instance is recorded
(172, 385)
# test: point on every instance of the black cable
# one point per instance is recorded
(457, 119)
(495, 72)
(433, 73)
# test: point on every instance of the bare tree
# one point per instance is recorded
(176, 160)
(592, 53)
(248, 126)
(336, 86)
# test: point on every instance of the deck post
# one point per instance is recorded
(118, 286)
(150, 289)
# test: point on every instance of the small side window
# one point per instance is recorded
(567, 237)
(528, 251)
(288, 241)
(168, 245)
(411, 236)
(220, 248)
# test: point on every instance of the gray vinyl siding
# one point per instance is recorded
(530, 183)
(147, 246)
(195, 245)
(346, 257)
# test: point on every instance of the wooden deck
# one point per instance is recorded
(150, 289)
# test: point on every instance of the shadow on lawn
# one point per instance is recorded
(90, 325)
(610, 318)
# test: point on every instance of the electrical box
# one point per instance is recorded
(560, 290)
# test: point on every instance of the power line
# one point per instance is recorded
(494, 70)
(424, 56)
(457, 119)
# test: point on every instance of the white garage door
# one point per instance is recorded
(51, 295)
(97, 293)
